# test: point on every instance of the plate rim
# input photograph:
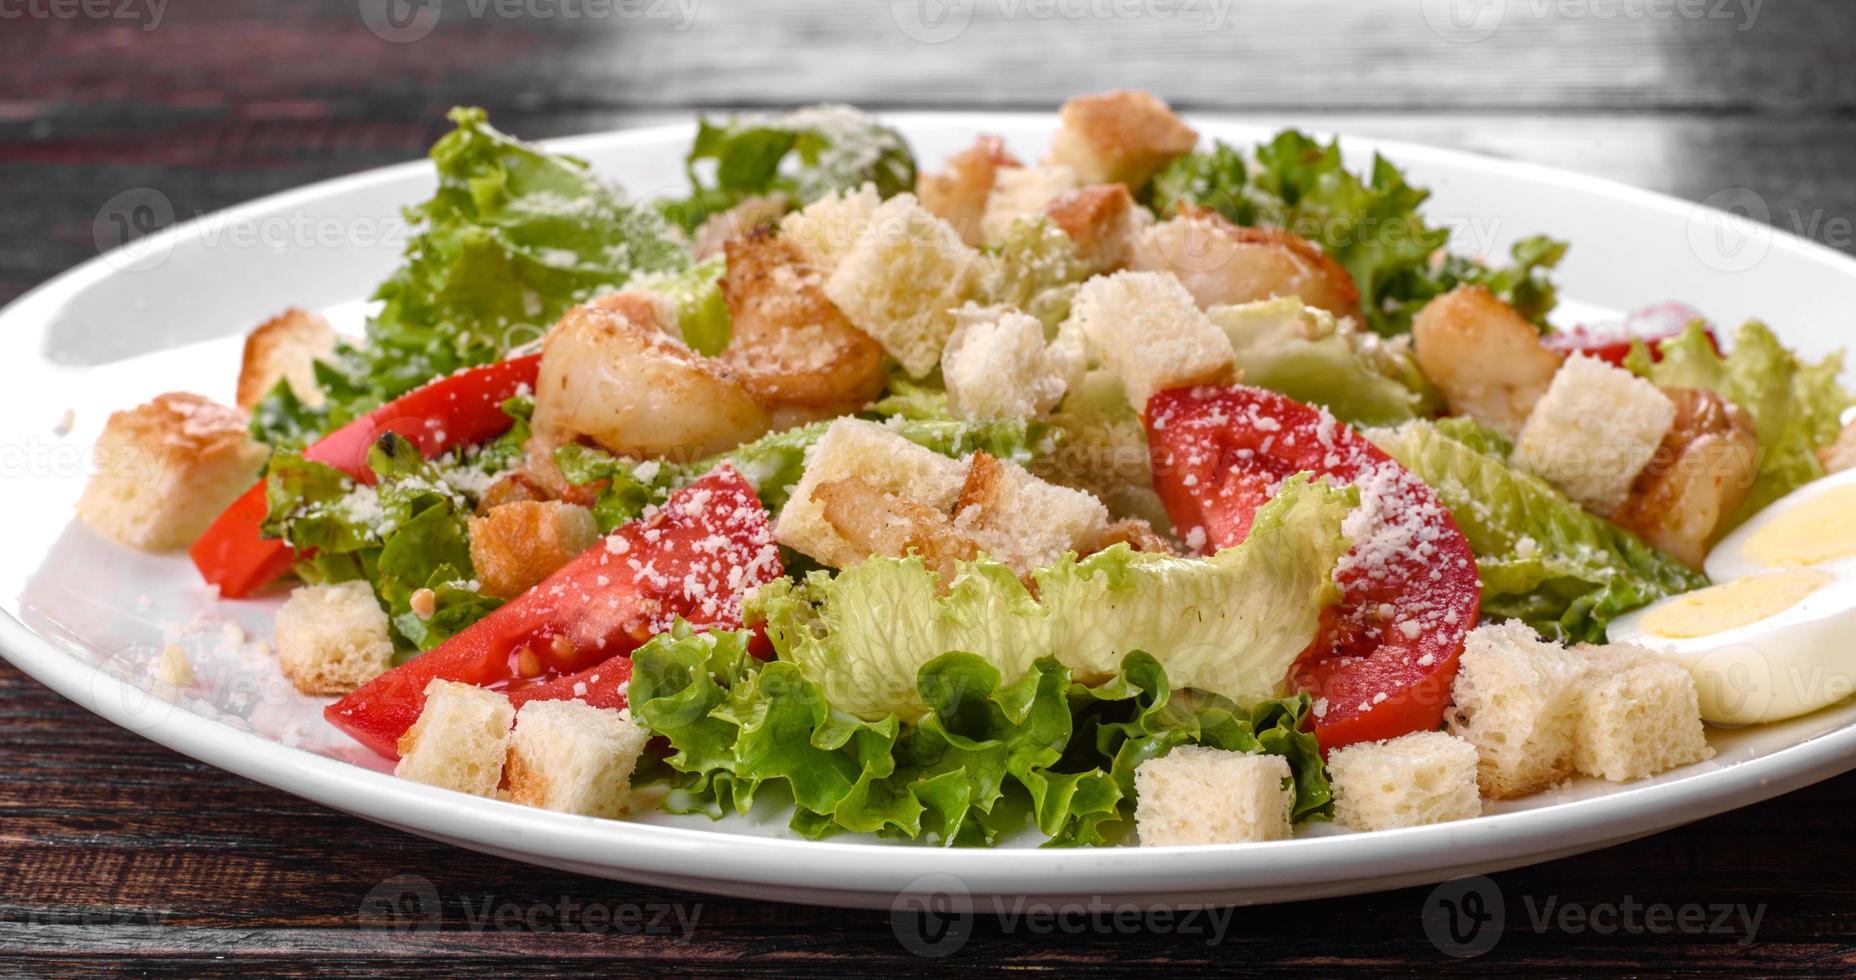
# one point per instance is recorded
(875, 875)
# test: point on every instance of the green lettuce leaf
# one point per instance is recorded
(1036, 269)
(1543, 559)
(696, 293)
(1230, 624)
(1370, 224)
(512, 238)
(1796, 407)
(1307, 354)
(984, 760)
(801, 155)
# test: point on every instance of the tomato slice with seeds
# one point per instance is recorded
(1652, 325)
(695, 558)
(1386, 656)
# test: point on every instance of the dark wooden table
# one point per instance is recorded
(119, 855)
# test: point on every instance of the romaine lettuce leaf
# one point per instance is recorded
(1370, 225)
(1796, 407)
(985, 757)
(1305, 353)
(1543, 559)
(696, 293)
(512, 238)
(1036, 269)
(1230, 624)
(801, 155)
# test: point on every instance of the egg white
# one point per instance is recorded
(1729, 560)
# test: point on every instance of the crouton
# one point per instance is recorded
(460, 740)
(1596, 428)
(1119, 137)
(826, 230)
(1022, 192)
(958, 194)
(285, 348)
(1517, 701)
(1486, 359)
(1146, 327)
(172, 666)
(873, 521)
(1223, 264)
(1840, 455)
(1198, 795)
(166, 469)
(998, 367)
(518, 544)
(1417, 779)
(1022, 521)
(1698, 478)
(1102, 221)
(901, 282)
(793, 349)
(852, 448)
(331, 639)
(1639, 715)
(751, 215)
(572, 757)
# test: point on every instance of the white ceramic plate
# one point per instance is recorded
(87, 618)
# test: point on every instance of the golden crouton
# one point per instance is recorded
(1102, 221)
(285, 347)
(1119, 137)
(519, 544)
(958, 194)
(166, 469)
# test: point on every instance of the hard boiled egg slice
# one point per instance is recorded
(1762, 648)
(1813, 525)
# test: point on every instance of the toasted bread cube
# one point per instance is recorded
(332, 639)
(1102, 221)
(166, 469)
(903, 280)
(1639, 715)
(1119, 137)
(998, 367)
(1417, 779)
(958, 194)
(826, 230)
(869, 452)
(1146, 327)
(1198, 795)
(1021, 520)
(1022, 192)
(518, 544)
(1517, 702)
(285, 348)
(460, 740)
(572, 757)
(1597, 428)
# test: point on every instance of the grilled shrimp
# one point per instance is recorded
(634, 391)
(1222, 263)
(880, 523)
(958, 194)
(1840, 455)
(791, 347)
(1487, 361)
(740, 221)
(1698, 478)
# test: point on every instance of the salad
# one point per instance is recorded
(1157, 491)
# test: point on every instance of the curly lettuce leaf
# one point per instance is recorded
(1797, 408)
(1370, 224)
(985, 759)
(1543, 559)
(1230, 624)
(800, 156)
(406, 532)
(512, 238)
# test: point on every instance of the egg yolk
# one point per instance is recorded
(1820, 529)
(1731, 606)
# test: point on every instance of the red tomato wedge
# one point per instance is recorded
(460, 410)
(1652, 325)
(695, 558)
(1386, 655)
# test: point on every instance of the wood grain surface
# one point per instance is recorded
(119, 856)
